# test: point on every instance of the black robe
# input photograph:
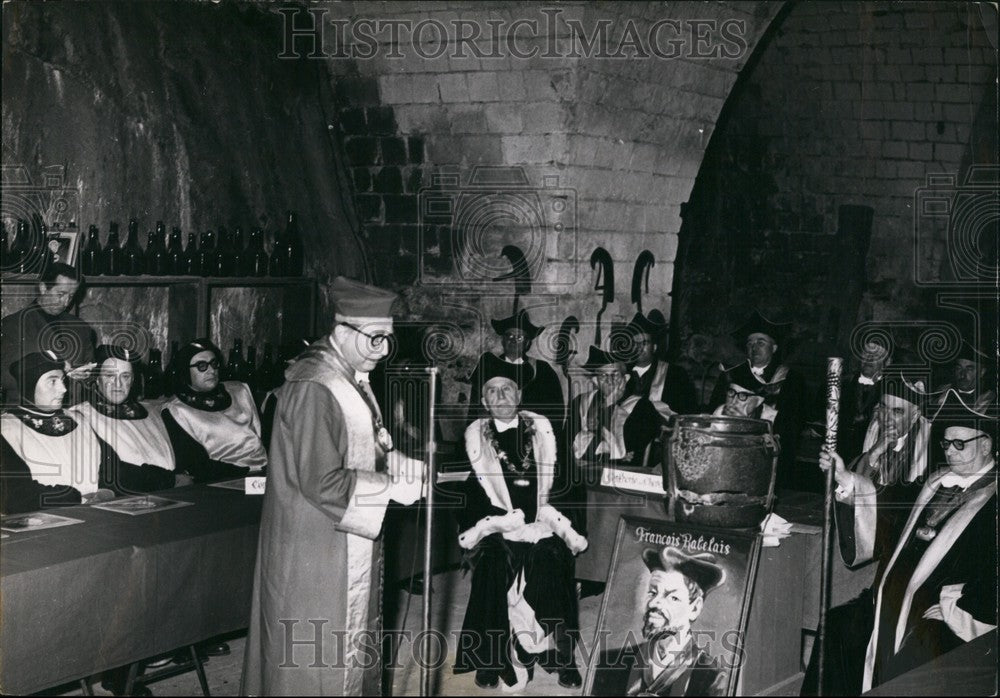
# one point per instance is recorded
(787, 397)
(486, 642)
(857, 408)
(677, 391)
(867, 532)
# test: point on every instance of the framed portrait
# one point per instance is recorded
(674, 611)
(64, 246)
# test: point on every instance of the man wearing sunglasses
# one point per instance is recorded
(936, 585)
(332, 471)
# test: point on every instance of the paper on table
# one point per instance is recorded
(774, 528)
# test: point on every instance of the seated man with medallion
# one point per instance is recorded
(523, 605)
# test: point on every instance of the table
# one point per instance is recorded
(785, 600)
(116, 589)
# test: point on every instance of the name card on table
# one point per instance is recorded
(255, 485)
(632, 479)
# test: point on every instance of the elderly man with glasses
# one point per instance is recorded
(332, 471)
(936, 585)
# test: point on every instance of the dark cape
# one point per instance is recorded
(862, 634)
(857, 408)
(675, 389)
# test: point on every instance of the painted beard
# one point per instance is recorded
(656, 627)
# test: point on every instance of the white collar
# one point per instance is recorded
(504, 425)
(641, 370)
(899, 443)
(865, 380)
(953, 479)
(757, 371)
(517, 362)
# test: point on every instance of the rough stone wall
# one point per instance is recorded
(610, 145)
(176, 111)
(848, 104)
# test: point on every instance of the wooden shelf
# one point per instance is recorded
(146, 280)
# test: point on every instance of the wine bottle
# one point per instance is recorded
(154, 375)
(207, 258)
(175, 253)
(236, 244)
(175, 347)
(192, 258)
(293, 247)
(157, 263)
(276, 264)
(266, 372)
(255, 257)
(92, 261)
(114, 256)
(135, 258)
(237, 365)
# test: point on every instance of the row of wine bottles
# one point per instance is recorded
(215, 254)
(222, 255)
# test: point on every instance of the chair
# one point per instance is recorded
(175, 669)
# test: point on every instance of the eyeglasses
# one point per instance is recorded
(203, 366)
(740, 395)
(959, 444)
(375, 341)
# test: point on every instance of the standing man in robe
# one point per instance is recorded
(543, 392)
(860, 397)
(780, 386)
(315, 618)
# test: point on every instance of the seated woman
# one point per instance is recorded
(206, 415)
(52, 458)
(520, 547)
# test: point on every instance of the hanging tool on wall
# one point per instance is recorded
(564, 351)
(640, 273)
(520, 273)
(600, 260)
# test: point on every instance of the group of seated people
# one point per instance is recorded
(114, 444)
(82, 436)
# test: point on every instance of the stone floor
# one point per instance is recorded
(449, 598)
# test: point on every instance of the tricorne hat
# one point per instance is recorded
(519, 320)
(597, 358)
(757, 323)
(701, 567)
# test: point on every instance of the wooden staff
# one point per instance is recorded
(834, 371)
(425, 671)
